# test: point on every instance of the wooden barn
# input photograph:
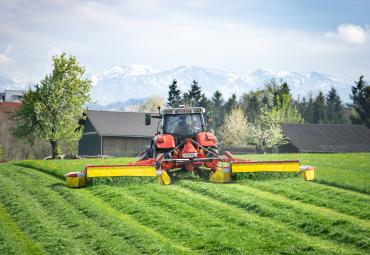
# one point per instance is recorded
(325, 138)
(115, 134)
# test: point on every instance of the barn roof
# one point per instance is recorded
(328, 137)
(109, 123)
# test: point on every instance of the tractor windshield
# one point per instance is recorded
(182, 124)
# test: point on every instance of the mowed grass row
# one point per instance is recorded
(210, 226)
(338, 199)
(301, 217)
(346, 170)
(63, 222)
(12, 238)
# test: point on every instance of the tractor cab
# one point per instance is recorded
(181, 133)
(183, 122)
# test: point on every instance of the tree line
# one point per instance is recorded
(260, 112)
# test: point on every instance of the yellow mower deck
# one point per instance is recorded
(222, 174)
(120, 170)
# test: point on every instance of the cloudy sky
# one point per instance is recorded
(332, 37)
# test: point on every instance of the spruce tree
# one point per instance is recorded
(335, 111)
(217, 110)
(253, 108)
(195, 94)
(273, 87)
(278, 90)
(231, 103)
(319, 109)
(174, 95)
(205, 103)
(284, 90)
(361, 101)
(309, 110)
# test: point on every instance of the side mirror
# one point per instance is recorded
(148, 119)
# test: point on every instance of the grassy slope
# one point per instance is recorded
(38, 214)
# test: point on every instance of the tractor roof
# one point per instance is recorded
(183, 110)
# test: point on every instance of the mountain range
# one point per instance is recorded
(121, 86)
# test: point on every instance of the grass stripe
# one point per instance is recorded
(85, 230)
(205, 234)
(123, 229)
(329, 213)
(36, 222)
(344, 201)
(299, 219)
(241, 228)
(13, 240)
(135, 226)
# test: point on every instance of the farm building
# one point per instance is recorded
(115, 133)
(11, 95)
(325, 138)
(8, 107)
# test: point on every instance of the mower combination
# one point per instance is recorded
(182, 144)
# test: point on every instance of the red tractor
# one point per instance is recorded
(182, 142)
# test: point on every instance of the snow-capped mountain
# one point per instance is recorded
(124, 85)
(120, 83)
(304, 83)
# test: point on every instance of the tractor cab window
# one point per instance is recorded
(183, 124)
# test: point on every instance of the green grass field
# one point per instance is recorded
(258, 214)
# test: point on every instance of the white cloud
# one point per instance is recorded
(4, 57)
(350, 33)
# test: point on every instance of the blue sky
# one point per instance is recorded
(332, 37)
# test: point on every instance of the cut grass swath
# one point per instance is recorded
(312, 220)
(346, 170)
(338, 199)
(232, 229)
(13, 240)
(103, 230)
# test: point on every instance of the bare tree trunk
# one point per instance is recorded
(54, 148)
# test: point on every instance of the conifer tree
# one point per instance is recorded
(319, 109)
(231, 103)
(217, 110)
(334, 111)
(174, 95)
(195, 94)
(361, 101)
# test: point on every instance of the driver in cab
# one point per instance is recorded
(184, 128)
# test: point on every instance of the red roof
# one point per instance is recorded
(8, 107)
